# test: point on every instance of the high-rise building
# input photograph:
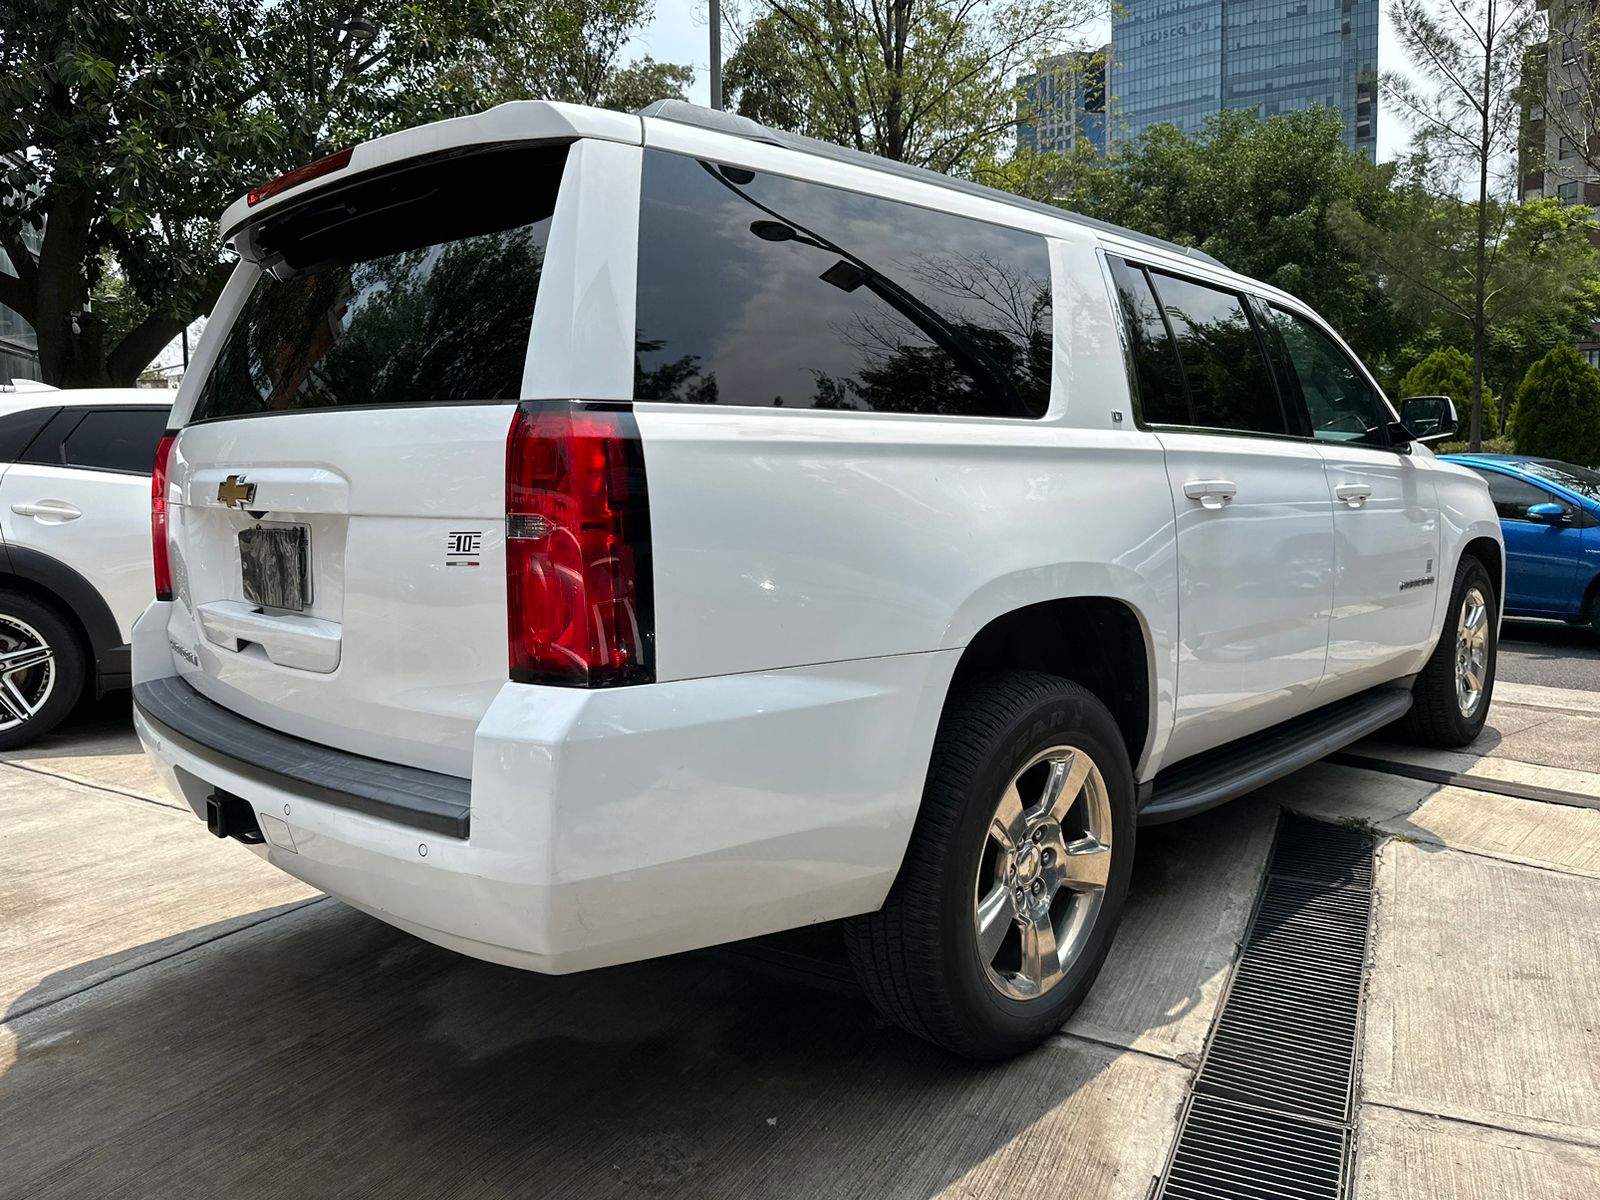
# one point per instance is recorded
(1063, 103)
(1559, 148)
(1180, 61)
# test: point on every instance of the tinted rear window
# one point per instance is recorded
(1229, 385)
(755, 289)
(416, 287)
(116, 439)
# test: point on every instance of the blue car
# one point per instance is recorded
(1550, 513)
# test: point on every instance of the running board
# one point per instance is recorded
(1219, 775)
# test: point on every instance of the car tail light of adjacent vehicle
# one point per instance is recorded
(159, 554)
(578, 582)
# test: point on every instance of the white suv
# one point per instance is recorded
(591, 536)
(74, 545)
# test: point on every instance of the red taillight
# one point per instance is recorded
(158, 518)
(311, 170)
(578, 588)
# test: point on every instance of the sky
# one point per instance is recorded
(680, 33)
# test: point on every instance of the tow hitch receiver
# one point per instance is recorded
(232, 816)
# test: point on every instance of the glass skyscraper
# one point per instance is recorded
(1180, 61)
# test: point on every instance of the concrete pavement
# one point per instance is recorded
(179, 1018)
(1549, 654)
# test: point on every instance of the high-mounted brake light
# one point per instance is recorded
(159, 554)
(311, 170)
(578, 583)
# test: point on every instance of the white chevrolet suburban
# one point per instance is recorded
(586, 536)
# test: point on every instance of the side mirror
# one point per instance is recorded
(1430, 418)
(1547, 514)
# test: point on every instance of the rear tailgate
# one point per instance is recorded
(337, 497)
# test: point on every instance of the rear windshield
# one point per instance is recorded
(415, 287)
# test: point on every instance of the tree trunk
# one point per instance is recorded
(59, 290)
(1480, 281)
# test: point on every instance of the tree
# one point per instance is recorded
(1539, 286)
(1469, 56)
(929, 82)
(126, 129)
(1448, 372)
(1268, 198)
(569, 51)
(1558, 409)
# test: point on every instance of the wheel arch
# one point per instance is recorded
(1102, 643)
(51, 581)
(1491, 554)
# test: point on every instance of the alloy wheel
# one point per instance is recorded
(1472, 651)
(1042, 875)
(27, 671)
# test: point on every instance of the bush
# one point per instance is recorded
(1491, 445)
(1557, 414)
(1448, 372)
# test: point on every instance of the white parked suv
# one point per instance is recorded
(74, 545)
(592, 536)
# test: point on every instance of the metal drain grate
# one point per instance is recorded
(1242, 1153)
(1272, 1105)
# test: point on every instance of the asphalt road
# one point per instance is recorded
(1550, 654)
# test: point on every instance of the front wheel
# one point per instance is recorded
(1450, 699)
(1014, 879)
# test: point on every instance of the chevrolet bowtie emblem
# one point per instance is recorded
(235, 492)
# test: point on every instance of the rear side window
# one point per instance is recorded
(17, 429)
(1229, 385)
(414, 287)
(116, 439)
(755, 289)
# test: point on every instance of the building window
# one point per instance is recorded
(1567, 193)
(1592, 357)
(1567, 148)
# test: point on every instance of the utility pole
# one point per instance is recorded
(716, 54)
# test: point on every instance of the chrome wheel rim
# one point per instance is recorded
(1472, 651)
(27, 671)
(1042, 876)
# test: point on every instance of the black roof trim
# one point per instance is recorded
(681, 112)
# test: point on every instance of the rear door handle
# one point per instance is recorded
(50, 510)
(1212, 493)
(1353, 494)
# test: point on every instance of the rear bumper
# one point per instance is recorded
(611, 825)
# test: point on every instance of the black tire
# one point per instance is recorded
(22, 616)
(1593, 617)
(1436, 718)
(917, 957)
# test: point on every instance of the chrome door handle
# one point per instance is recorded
(1353, 494)
(59, 510)
(1212, 493)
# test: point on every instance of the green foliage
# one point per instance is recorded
(1557, 414)
(127, 129)
(930, 82)
(1264, 197)
(1491, 445)
(1448, 372)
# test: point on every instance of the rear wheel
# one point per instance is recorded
(1451, 696)
(42, 669)
(1016, 873)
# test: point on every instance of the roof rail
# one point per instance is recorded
(681, 112)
